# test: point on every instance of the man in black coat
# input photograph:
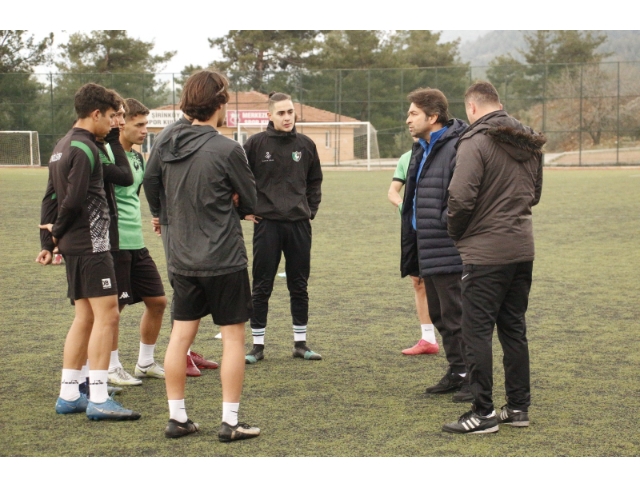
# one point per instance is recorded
(426, 245)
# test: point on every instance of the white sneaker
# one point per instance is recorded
(153, 370)
(121, 377)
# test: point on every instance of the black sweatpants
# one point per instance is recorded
(497, 295)
(443, 298)
(271, 239)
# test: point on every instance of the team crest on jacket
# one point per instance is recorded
(296, 155)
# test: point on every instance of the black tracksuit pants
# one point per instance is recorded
(271, 239)
(443, 299)
(497, 294)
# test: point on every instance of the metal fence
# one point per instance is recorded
(590, 113)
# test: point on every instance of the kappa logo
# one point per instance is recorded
(106, 283)
(296, 156)
(124, 295)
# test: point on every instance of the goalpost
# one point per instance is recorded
(346, 144)
(19, 148)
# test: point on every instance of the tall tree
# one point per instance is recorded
(20, 53)
(250, 56)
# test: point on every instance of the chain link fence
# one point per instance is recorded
(590, 113)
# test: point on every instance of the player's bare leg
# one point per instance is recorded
(427, 343)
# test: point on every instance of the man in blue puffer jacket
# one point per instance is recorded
(426, 245)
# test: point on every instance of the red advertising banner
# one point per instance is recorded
(250, 117)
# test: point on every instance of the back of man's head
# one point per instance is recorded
(133, 108)
(483, 94)
(91, 97)
(432, 102)
(203, 94)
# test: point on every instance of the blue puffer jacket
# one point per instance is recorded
(430, 250)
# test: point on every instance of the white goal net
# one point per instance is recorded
(338, 143)
(19, 149)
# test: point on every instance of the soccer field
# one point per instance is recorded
(364, 399)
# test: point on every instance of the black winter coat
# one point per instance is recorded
(430, 250)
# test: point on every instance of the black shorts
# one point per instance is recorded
(137, 276)
(227, 298)
(90, 276)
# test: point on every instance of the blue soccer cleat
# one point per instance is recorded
(71, 407)
(110, 410)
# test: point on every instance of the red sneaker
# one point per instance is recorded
(192, 370)
(422, 347)
(201, 362)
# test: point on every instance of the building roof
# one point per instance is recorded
(254, 100)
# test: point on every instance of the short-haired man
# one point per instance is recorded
(288, 179)
(428, 247)
(136, 273)
(200, 171)
(81, 231)
(427, 343)
(153, 186)
(498, 179)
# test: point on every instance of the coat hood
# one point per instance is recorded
(183, 140)
(518, 140)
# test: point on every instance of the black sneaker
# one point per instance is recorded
(464, 394)
(300, 350)
(449, 383)
(241, 431)
(175, 429)
(256, 353)
(472, 423)
(513, 417)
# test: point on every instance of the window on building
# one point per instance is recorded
(327, 139)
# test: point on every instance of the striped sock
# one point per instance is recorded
(258, 336)
(299, 333)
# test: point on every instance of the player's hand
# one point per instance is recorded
(155, 222)
(44, 257)
(253, 218)
(113, 135)
(49, 226)
(236, 199)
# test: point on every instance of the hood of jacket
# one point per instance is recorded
(518, 140)
(183, 141)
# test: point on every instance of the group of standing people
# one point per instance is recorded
(467, 243)
(199, 185)
(467, 239)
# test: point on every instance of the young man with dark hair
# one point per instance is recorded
(153, 186)
(81, 231)
(288, 176)
(498, 179)
(136, 273)
(200, 170)
(427, 248)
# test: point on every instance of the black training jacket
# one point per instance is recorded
(288, 174)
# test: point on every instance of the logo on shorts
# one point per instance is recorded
(124, 295)
(296, 156)
(106, 283)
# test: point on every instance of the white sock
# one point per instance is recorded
(84, 373)
(177, 411)
(145, 356)
(230, 413)
(299, 333)
(114, 361)
(258, 337)
(69, 385)
(98, 385)
(427, 333)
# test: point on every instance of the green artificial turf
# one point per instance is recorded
(365, 398)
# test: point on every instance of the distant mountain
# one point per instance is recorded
(623, 44)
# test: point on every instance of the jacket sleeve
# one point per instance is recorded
(77, 188)
(538, 188)
(464, 187)
(242, 181)
(314, 183)
(48, 214)
(152, 183)
(120, 172)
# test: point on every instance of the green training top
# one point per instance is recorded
(128, 203)
(402, 168)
